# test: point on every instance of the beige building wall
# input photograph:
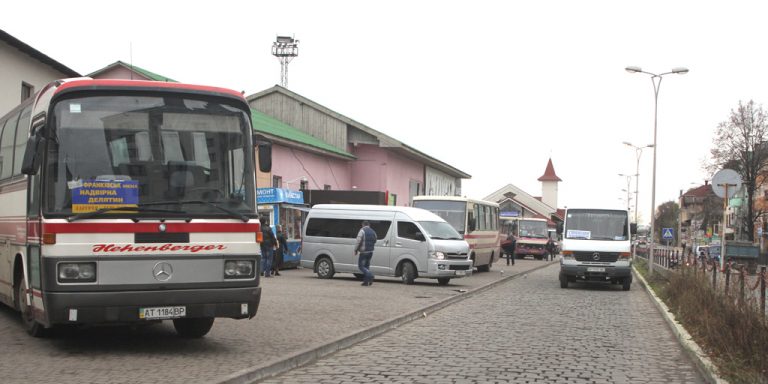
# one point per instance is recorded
(17, 68)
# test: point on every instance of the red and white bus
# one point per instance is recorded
(476, 220)
(129, 202)
(532, 235)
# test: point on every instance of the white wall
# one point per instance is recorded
(17, 66)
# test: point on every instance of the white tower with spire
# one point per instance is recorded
(549, 181)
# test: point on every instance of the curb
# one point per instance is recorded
(310, 355)
(703, 363)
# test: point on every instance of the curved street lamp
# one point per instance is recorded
(638, 153)
(656, 80)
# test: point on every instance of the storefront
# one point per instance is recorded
(284, 207)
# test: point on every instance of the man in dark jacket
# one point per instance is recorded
(366, 241)
(508, 246)
(268, 245)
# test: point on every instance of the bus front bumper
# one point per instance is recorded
(125, 307)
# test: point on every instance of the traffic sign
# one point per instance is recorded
(667, 233)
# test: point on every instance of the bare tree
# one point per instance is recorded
(740, 143)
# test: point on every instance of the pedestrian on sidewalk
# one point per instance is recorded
(282, 248)
(268, 245)
(366, 241)
(551, 249)
(508, 246)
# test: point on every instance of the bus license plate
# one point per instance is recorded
(595, 269)
(159, 313)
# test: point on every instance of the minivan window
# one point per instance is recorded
(408, 230)
(439, 230)
(344, 228)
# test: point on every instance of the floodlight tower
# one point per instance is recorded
(285, 48)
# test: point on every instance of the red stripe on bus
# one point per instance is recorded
(149, 227)
(480, 236)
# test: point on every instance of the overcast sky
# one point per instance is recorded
(493, 88)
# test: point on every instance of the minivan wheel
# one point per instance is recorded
(409, 273)
(443, 280)
(324, 268)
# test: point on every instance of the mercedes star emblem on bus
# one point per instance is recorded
(162, 271)
(596, 256)
(161, 227)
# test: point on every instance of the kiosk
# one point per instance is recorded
(287, 208)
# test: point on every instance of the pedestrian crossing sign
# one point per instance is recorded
(667, 233)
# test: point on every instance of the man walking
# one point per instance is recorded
(508, 246)
(268, 245)
(366, 241)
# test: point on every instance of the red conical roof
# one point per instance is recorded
(549, 173)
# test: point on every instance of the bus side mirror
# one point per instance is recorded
(31, 161)
(633, 228)
(264, 150)
(560, 228)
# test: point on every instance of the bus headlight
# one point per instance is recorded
(437, 255)
(238, 269)
(77, 272)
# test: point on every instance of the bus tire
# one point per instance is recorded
(408, 273)
(324, 268)
(563, 281)
(443, 280)
(626, 283)
(193, 328)
(484, 268)
(31, 325)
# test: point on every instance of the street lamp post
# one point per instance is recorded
(656, 80)
(638, 153)
(628, 191)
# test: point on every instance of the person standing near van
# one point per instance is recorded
(509, 248)
(282, 248)
(366, 241)
(268, 245)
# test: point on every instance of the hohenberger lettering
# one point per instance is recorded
(113, 248)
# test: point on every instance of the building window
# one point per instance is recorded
(326, 187)
(304, 185)
(277, 182)
(27, 90)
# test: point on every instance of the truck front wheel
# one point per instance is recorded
(563, 280)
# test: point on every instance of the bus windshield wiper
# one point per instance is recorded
(98, 212)
(231, 213)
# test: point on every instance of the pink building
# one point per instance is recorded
(353, 157)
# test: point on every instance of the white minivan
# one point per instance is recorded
(412, 243)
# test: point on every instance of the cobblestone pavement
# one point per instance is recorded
(527, 330)
(298, 311)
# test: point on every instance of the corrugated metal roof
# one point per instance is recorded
(148, 74)
(279, 131)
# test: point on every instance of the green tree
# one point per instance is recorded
(740, 143)
(667, 216)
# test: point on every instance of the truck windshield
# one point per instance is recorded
(596, 224)
(129, 150)
(454, 212)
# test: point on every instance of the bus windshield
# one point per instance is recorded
(128, 150)
(454, 212)
(586, 224)
(535, 229)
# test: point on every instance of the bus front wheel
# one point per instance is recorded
(32, 327)
(193, 328)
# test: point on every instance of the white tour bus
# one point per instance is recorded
(411, 243)
(476, 220)
(129, 202)
(596, 247)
